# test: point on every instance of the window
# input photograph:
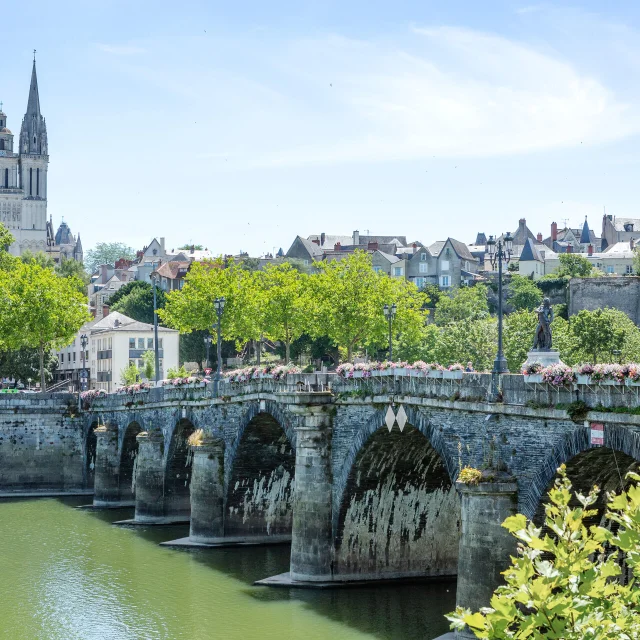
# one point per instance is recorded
(610, 269)
(140, 343)
(110, 343)
(424, 267)
(377, 269)
(30, 182)
(1, 145)
(132, 343)
(38, 182)
(149, 343)
(628, 227)
(306, 263)
(61, 358)
(629, 269)
(160, 343)
(444, 281)
(6, 178)
(423, 257)
(100, 344)
(74, 356)
(140, 364)
(444, 265)
(398, 271)
(419, 282)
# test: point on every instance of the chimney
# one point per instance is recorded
(414, 246)
(103, 273)
(632, 243)
(105, 310)
(522, 223)
(372, 246)
(162, 243)
(539, 237)
(337, 247)
(569, 249)
(316, 241)
(554, 231)
(356, 238)
(323, 237)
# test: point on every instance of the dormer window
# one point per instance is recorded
(628, 227)
(155, 252)
(423, 257)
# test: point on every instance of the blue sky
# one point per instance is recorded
(239, 125)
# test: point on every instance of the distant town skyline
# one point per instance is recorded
(240, 127)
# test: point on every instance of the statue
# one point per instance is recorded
(543, 339)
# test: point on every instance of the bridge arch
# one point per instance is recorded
(177, 476)
(128, 456)
(586, 465)
(396, 510)
(260, 470)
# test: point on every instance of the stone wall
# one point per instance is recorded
(41, 444)
(596, 293)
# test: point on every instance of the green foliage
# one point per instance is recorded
(24, 364)
(573, 265)
(551, 283)
(39, 310)
(107, 253)
(191, 247)
(518, 338)
(523, 293)
(130, 375)
(73, 269)
(138, 303)
(39, 257)
(572, 592)
(149, 369)
(468, 341)
(6, 238)
(126, 289)
(462, 305)
(636, 261)
(194, 349)
(174, 373)
(597, 333)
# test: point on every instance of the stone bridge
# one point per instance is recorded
(314, 461)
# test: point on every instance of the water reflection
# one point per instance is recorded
(67, 574)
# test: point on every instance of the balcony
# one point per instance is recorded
(137, 353)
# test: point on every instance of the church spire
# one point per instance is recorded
(33, 133)
(585, 236)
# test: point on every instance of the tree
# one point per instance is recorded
(126, 289)
(39, 257)
(24, 364)
(6, 238)
(346, 304)
(130, 374)
(598, 333)
(572, 591)
(283, 300)
(191, 247)
(519, 330)
(193, 348)
(465, 341)
(107, 253)
(573, 265)
(39, 310)
(73, 269)
(522, 293)
(138, 304)
(149, 369)
(462, 304)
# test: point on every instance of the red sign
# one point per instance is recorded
(597, 434)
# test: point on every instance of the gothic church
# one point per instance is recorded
(23, 184)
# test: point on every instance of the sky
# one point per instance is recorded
(241, 125)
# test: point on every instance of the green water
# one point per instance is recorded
(67, 574)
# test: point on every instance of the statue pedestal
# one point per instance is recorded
(545, 358)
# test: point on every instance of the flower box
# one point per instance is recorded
(376, 373)
(434, 373)
(358, 374)
(583, 378)
(266, 376)
(533, 378)
(610, 383)
(452, 375)
(400, 371)
(416, 373)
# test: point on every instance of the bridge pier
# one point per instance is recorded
(311, 536)
(485, 546)
(107, 467)
(150, 478)
(207, 492)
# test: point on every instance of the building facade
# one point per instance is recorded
(23, 176)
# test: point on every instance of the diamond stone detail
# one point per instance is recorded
(401, 418)
(390, 419)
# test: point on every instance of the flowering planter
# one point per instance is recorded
(358, 374)
(416, 373)
(434, 373)
(533, 378)
(400, 372)
(632, 383)
(266, 376)
(583, 378)
(610, 383)
(452, 375)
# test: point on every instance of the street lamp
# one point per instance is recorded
(499, 251)
(390, 314)
(207, 342)
(155, 277)
(219, 305)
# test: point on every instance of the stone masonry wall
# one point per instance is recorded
(596, 293)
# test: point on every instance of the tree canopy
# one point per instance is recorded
(523, 294)
(573, 265)
(138, 302)
(107, 253)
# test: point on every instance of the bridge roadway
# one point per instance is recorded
(313, 461)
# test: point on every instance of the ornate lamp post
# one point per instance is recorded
(219, 305)
(499, 251)
(154, 278)
(207, 342)
(390, 314)
(82, 382)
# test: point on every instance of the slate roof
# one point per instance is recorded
(530, 252)
(620, 222)
(171, 269)
(117, 321)
(389, 257)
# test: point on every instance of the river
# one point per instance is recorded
(69, 574)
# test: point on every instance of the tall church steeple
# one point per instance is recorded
(33, 134)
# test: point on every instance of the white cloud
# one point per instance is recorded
(454, 92)
(120, 49)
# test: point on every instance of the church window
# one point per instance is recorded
(6, 178)
(30, 182)
(1, 145)
(38, 181)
